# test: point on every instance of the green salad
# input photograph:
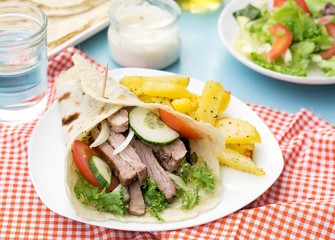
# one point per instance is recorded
(289, 36)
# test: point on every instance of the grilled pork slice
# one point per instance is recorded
(171, 155)
(119, 121)
(129, 155)
(136, 204)
(155, 170)
(120, 167)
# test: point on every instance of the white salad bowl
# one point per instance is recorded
(229, 30)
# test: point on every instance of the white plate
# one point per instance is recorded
(46, 162)
(78, 38)
(229, 29)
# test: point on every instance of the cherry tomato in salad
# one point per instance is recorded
(178, 125)
(331, 51)
(81, 152)
(301, 3)
(324, 20)
(282, 40)
(278, 3)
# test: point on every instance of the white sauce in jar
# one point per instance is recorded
(144, 35)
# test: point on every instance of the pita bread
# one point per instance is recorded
(79, 91)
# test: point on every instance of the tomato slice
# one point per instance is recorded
(331, 51)
(178, 125)
(81, 152)
(328, 53)
(282, 40)
(301, 3)
(278, 3)
(331, 29)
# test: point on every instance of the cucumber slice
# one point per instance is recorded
(148, 127)
(101, 170)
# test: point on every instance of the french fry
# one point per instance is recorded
(185, 105)
(140, 80)
(235, 160)
(171, 90)
(160, 100)
(209, 102)
(225, 100)
(161, 89)
(244, 149)
(237, 131)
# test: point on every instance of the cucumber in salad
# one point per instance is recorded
(148, 127)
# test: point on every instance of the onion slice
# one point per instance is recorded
(118, 188)
(125, 143)
(177, 180)
(126, 195)
(103, 135)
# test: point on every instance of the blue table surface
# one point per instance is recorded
(204, 57)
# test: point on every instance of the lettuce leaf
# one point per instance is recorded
(189, 197)
(154, 199)
(261, 61)
(316, 6)
(301, 24)
(302, 54)
(250, 11)
(328, 66)
(197, 175)
(112, 202)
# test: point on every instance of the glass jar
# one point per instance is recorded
(23, 62)
(144, 33)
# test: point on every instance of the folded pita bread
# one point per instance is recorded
(80, 95)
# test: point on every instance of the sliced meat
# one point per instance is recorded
(119, 121)
(120, 167)
(129, 155)
(171, 155)
(155, 170)
(136, 204)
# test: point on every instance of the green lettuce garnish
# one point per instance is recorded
(189, 197)
(112, 202)
(260, 60)
(189, 179)
(328, 66)
(198, 175)
(154, 199)
(315, 6)
(250, 11)
(302, 54)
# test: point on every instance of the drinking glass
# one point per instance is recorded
(23, 62)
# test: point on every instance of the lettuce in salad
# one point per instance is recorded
(310, 37)
(316, 6)
(328, 66)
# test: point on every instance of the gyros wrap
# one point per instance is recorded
(83, 105)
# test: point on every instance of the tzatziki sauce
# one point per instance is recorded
(144, 34)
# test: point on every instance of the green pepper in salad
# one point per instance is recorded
(289, 36)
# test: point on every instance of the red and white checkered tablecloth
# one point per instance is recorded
(299, 205)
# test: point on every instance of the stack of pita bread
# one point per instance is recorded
(67, 18)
